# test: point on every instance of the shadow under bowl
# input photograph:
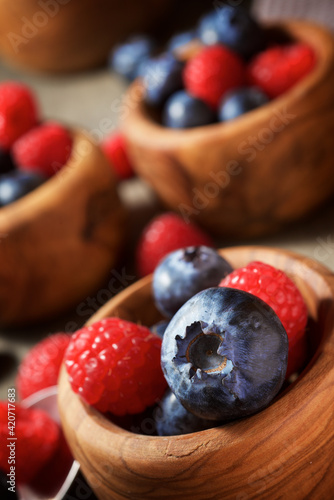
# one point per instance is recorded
(58, 242)
(285, 450)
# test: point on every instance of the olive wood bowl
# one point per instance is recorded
(58, 242)
(252, 175)
(70, 35)
(285, 450)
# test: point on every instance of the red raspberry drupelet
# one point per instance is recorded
(114, 365)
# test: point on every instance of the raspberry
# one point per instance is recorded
(18, 112)
(165, 233)
(44, 149)
(276, 289)
(212, 72)
(114, 148)
(40, 368)
(278, 69)
(114, 365)
(36, 436)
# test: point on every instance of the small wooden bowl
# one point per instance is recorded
(284, 451)
(59, 242)
(252, 175)
(70, 35)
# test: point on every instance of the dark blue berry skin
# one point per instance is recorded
(6, 162)
(126, 58)
(185, 272)
(173, 419)
(185, 111)
(159, 328)
(224, 354)
(235, 28)
(16, 184)
(180, 39)
(240, 101)
(162, 76)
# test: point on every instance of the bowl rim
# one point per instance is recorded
(138, 123)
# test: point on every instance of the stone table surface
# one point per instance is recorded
(86, 100)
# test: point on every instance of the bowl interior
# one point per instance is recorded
(232, 459)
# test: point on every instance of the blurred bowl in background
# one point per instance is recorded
(70, 35)
(252, 175)
(286, 450)
(58, 242)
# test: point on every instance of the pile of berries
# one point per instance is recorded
(229, 341)
(223, 68)
(41, 458)
(30, 151)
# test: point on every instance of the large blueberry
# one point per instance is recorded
(183, 273)
(172, 419)
(161, 77)
(16, 184)
(224, 354)
(6, 162)
(185, 111)
(126, 58)
(239, 101)
(235, 28)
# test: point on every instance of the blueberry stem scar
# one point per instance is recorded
(202, 352)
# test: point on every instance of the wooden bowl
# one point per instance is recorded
(252, 175)
(284, 451)
(70, 35)
(59, 242)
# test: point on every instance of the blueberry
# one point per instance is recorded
(159, 328)
(224, 354)
(6, 162)
(14, 185)
(235, 28)
(126, 58)
(173, 419)
(183, 273)
(185, 111)
(162, 76)
(180, 39)
(207, 29)
(143, 67)
(239, 101)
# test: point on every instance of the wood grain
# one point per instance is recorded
(59, 242)
(252, 175)
(70, 35)
(285, 451)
